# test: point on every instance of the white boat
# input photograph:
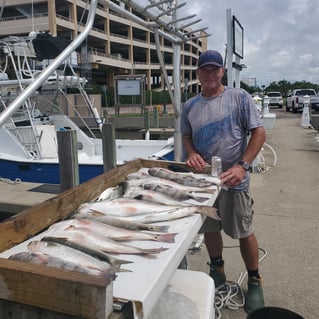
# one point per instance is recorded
(28, 138)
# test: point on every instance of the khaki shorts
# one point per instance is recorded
(236, 212)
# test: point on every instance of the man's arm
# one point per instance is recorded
(194, 159)
(235, 174)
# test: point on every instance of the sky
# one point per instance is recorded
(281, 37)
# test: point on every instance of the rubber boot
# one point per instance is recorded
(255, 295)
(218, 274)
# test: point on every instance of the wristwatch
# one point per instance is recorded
(245, 165)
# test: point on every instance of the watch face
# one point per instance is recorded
(244, 165)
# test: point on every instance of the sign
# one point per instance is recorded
(238, 38)
(128, 87)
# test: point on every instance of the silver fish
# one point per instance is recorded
(69, 255)
(167, 182)
(174, 193)
(114, 233)
(98, 242)
(186, 179)
(138, 175)
(57, 262)
(174, 214)
(110, 193)
(150, 195)
(118, 222)
(124, 207)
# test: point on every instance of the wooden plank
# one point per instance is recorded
(56, 289)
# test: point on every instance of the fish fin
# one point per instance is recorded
(148, 251)
(123, 270)
(139, 197)
(121, 238)
(167, 238)
(96, 213)
(199, 199)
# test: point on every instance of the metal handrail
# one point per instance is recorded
(27, 93)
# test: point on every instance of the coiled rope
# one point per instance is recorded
(10, 181)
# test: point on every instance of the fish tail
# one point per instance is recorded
(167, 238)
(149, 251)
(199, 199)
(116, 263)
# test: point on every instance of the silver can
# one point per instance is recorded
(216, 166)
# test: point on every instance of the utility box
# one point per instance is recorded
(269, 120)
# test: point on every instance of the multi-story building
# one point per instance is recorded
(116, 45)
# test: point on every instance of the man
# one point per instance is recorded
(216, 122)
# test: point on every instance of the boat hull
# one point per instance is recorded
(48, 173)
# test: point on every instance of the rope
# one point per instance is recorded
(10, 181)
(262, 167)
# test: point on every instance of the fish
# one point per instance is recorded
(174, 193)
(187, 179)
(167, 182)
(57, 262)
(124, 207)
(114, 233)
(138, 175)
(149, 195)
(92, 240)
(109, 193)
(174, 214)
(69, 254)
(118, 222)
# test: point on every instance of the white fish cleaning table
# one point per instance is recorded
(149, 276)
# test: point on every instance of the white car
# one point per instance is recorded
(275, 99)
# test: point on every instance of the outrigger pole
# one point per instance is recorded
(30, 89)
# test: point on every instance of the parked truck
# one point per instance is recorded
(295, 100)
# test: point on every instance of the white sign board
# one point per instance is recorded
(128, 87)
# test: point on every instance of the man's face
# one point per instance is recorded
(210, 76)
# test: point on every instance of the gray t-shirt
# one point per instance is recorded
(219, 126)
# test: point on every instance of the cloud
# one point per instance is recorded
(280, 37)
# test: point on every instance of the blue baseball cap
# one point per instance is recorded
(210, 57)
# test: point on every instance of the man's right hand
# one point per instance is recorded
(196, 161)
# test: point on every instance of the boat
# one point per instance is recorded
(28, 138)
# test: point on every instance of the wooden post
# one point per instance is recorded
(146, 119)
(155, 116)
(68, 159)
(109, 147)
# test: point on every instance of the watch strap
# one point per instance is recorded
(245, 165)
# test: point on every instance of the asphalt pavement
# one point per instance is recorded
(286, 222)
